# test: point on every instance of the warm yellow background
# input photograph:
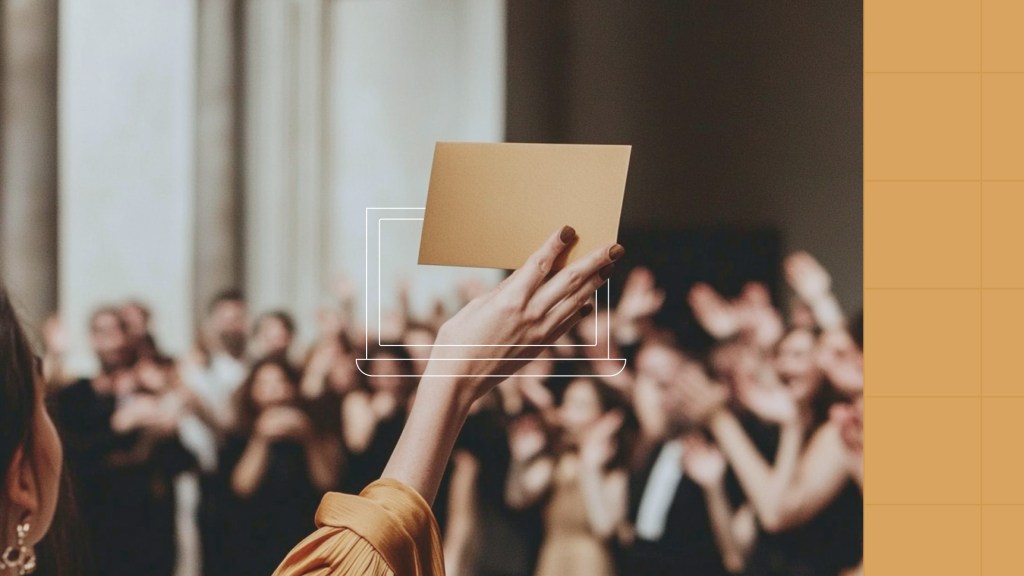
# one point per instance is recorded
(944, 286)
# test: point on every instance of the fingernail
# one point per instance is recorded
(587, 309)
(605, 272)
(567, 234)
(616, 252)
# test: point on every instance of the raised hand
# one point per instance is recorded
(55, 335)
(526, 438)
(758, 317)
(807, 276)
(717, 315)
(491, 338)
(497, 333)
(640, 297)
(703, 462)
(770, 402)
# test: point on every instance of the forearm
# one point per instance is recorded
(322, 461)
(721, 514)
(250, 468)
(827, 312)
(312, 385)
(421, 455)
(818, 478)
(462, 514)
(762, 483)
(359, 423)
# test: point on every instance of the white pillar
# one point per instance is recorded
(218, 206)
(286, 217)
(28, 161)
(127, 122)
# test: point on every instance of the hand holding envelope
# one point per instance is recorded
(498, 333)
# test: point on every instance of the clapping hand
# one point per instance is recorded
(526, 438)
(703, 462)
(284, 422)
(772, 403)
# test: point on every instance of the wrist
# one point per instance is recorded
(719, 417)
(453, 394)
(714, 487)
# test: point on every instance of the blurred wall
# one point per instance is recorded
(743, 114)
(126, 141)
(344, 102)
(205, 144)
(406, 75)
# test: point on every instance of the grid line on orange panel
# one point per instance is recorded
(941, 72)
(1003, 124)
(981, 280)
(1002, 235)
(950, 181)
(945, 396)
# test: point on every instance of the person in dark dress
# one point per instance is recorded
(373, 417)
(121, 458)
(277, 467)
(506, 541)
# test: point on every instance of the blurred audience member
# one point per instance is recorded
(746, 460)
(277, 466)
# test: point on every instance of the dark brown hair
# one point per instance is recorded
(17, 383)
(62, 550)
(246, 411)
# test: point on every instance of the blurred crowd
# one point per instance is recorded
(742, 459)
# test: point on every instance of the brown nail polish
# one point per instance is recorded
(567, 234)
(606, 272)
(587, 309)
(616, 252)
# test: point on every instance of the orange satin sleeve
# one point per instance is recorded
(388, 530)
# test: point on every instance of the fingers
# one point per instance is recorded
(573, 278)
(537, 267)
(569, 323)
(575, 301)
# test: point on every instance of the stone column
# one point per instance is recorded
(218, 206)
(127, 163)
(286, 215)
(28, 160)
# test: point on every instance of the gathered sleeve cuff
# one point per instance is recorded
(387, 530)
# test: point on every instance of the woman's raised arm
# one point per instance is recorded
(490, 338)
